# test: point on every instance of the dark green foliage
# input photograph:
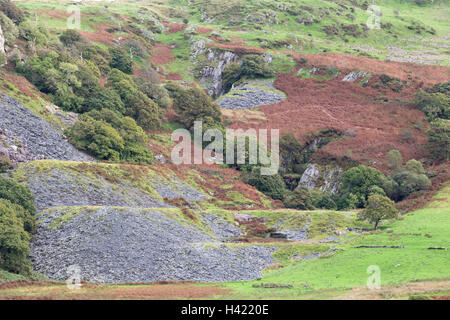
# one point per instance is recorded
(300, 199)
(110, 136)
(120, 59)
(14, 240)
(322, 200)
(439, 139)
(148, 81)
(70, 37)
(71, 83)
(137, 105)
(271, 185)
(33, 33)
(5, 164)
(230, 75)
(378, 207)
(410, 181)
(97, 137)
(376, 190)
(395, 159)
(293, 159)
(194, 104)
(357, 181)
(20, 195)
(434, 105)
(9, 29)
(12, 11)
(252, 67)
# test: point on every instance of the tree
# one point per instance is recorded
(358, 181)
(231, 73)
(300, 199)
(97, 137)
(439, 139)
(395, 159)
(137, 105)
(20, 195)
(14, 240)
(193, 105)
(12, 11)
(70, 37)
(254, 66)
(434, 105)
(378, 208)
(415, 166)
(120, 59)
(322, 200)
(410, 181)
(272, 186)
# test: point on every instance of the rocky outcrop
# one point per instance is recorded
(251, 94)
(326, 178)
(122, 245)
(2, 41)
(24, 136)
(211, 74)
(355, 75)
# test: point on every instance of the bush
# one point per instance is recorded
(110, 136)
(9, 29)
(358, 181)
(439, 139)
(322, 200)
(434, 105)
(5, 164)
(272, 186)
(410, 181)
(300, 199)
(155, 91)
(20, 195)
(252, 67)
(378, 207)
(137, 105)
(33, 33)
(12, 11)
(14, 240)
(231, 74)
(415, 166)
(120, 59)
(395, 159)
(97, 137)
(195, 105)
(70, 37)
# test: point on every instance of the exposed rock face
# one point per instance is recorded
(326, 178)
(119, 245)
(211, 75)
(2, 41)
(355, 75)
(27, 137)
(251, 94)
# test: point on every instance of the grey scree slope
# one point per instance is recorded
(39, 138)
(120, 245)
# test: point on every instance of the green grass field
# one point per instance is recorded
(347, 268)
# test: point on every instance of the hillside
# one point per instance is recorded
(93, 93)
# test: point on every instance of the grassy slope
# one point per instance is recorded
(347, 268)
